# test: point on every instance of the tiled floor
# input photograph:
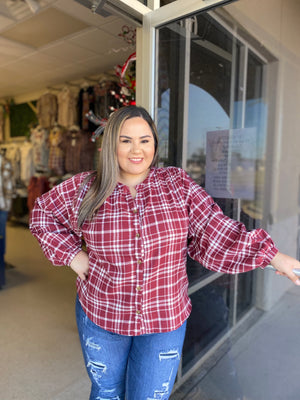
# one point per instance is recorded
(40, 356)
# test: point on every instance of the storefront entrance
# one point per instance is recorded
(209, 101)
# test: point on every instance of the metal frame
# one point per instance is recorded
(179, 9)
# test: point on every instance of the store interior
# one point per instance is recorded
(64, 67)
(63, 42)
(58, 60)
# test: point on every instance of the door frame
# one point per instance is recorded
(147, 44)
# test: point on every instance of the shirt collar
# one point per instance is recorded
(145, 181)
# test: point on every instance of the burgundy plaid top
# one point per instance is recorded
(137, 248)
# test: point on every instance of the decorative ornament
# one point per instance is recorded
(125, 96)
(101, 122)
(126, 74)
(128, 34)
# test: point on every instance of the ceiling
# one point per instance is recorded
(61, 43)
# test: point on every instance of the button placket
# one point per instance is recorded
(139, 261)
(137, 211)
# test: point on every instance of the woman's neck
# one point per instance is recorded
(132, 180)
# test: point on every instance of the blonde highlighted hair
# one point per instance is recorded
(106, 176)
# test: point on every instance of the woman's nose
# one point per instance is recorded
(136, 147)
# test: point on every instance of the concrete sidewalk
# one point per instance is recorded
(267, 358)
(264, 363)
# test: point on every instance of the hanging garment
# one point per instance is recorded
(47, 110)
(56, 153)
(86, 100)
(87, 152)
(104, 94)
(39, 140)
(67, 108)
(71, 147)
(37, 186)
(6, 183)
(26, 162)
(79, 151)
(12, 153)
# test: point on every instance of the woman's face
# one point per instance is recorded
(135, 150)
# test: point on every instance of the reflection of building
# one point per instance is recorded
(196, 167)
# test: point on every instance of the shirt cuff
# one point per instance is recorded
(269, 256)
(71, 256)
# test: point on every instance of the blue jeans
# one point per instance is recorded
(136, 367)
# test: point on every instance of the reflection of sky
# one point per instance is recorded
(256, 116)
(206, 114)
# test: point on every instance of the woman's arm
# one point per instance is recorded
(80, 265)
(53, 223)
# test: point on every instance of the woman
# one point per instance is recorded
(138, 223)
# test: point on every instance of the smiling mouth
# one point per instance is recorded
(136, 160)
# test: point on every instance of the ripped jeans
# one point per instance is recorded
(132, 367)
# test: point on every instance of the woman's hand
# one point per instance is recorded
(284, 265)
(80, 264)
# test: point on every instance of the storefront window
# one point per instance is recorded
(211, 117)
(205, 328)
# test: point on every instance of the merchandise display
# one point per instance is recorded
(67, 138)
(47, 109)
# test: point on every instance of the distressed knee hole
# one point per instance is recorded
(169, 355)
(161, 394)
(89, 343)
(97, 370)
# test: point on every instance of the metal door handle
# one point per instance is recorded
(296, 271)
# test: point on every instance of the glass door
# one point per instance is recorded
(208, 99)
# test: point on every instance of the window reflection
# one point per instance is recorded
(224, 145)
(205, 115)
(209, 320)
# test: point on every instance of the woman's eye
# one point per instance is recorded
(145, 141)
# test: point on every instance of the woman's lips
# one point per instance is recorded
(136, 160)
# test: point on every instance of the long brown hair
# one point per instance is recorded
(106, 176)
